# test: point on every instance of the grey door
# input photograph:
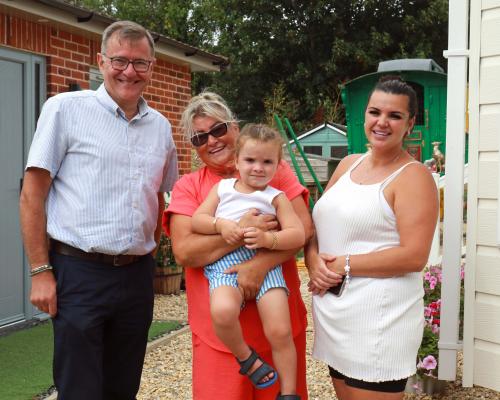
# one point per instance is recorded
(19, 102)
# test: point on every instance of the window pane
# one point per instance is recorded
(338, 151)
(317, 150)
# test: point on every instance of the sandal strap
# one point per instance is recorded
(245, 365)
(288, 397)
(262, 371)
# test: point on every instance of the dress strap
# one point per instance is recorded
(393, 176)
(357, 162)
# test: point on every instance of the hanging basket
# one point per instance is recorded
(168, 279)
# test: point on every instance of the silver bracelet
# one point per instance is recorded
(347, 268)
(40, 269)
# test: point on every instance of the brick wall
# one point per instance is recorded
(69, 57)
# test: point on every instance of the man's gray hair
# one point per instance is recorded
(126, 30)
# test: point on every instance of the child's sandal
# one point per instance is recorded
(261, 372)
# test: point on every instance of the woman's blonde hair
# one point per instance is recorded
(206, 104)
(262, 133)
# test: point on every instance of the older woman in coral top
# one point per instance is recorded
(212, 129)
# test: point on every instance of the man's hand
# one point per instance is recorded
(250, 279)
(43, 292)
(253, 218)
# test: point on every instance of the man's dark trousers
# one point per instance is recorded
(100, 331)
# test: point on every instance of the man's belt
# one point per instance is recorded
(116, 260)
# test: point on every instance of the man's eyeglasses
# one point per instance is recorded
(200, 138)
(121, 64)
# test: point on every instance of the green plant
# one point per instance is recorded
(164, 255)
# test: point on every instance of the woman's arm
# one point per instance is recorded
(413, 197)
(194, 249)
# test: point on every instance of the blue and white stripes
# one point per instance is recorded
(216, 276)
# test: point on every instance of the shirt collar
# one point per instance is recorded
(107, 101)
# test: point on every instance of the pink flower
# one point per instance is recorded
(435, 329)
(433, 282)
(427, 311)
(427, 276)
(429, 362)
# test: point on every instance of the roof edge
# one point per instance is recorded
(93, 22)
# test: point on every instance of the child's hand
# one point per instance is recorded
(256, 238)
(230, 231)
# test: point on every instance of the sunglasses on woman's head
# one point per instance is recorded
(200, 138)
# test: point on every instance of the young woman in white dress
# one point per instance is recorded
(374, 227)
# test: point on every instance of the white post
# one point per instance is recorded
(434, 254)
(457, 55)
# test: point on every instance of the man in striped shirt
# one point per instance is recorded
(90, 205)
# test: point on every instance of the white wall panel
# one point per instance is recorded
(489, 122)
(489, 86)
(487, 365)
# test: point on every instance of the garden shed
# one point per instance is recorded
(326, 140)
(48, 47)
(429, 81)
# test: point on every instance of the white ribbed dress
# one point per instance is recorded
(373, 331)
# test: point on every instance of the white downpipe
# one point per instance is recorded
(457, 55)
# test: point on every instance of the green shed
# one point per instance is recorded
(327, 140)
(429, 81)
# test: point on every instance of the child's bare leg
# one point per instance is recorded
(275, 317)
(225, 305)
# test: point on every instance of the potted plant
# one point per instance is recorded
(168, 274)
(426, 380)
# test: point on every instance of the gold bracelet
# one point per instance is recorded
(214, 223)
(275, 241)
(40, 269)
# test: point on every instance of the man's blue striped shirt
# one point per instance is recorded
(106, 171)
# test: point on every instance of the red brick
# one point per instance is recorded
(63, 35)
(78, 57)
(57, 79)
(83, 49)
(63, 72)
(56, 42)
(77, 75)
(79, 39)
(71, 46)
(63, 53)
(70, 64)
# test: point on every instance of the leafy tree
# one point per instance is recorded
(301, 50)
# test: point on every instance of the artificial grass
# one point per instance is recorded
(26, 363)
(26, 359)
(159, 328)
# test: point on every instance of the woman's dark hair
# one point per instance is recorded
(393, 84)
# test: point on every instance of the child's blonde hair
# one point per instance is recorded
(262, 133)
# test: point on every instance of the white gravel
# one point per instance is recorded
(167, 368)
